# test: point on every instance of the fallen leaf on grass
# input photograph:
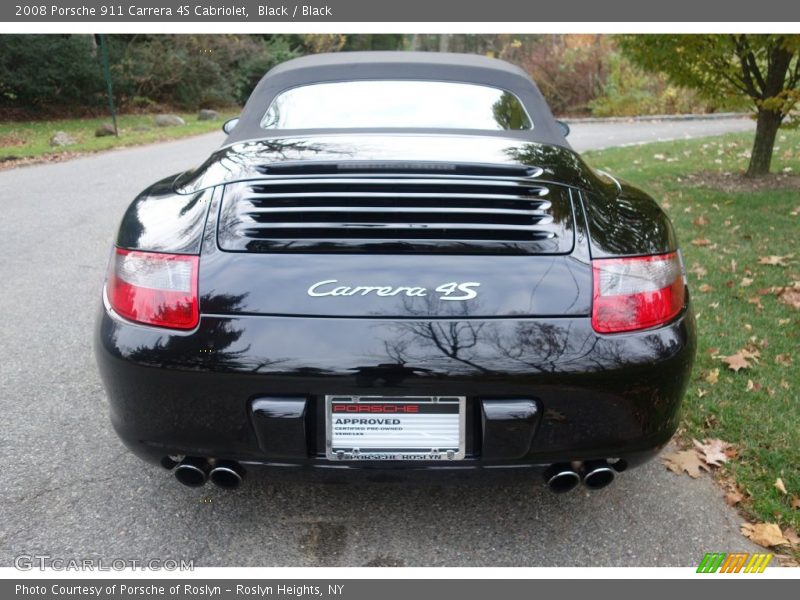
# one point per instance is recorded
(787, 561)
(791, 535)
(700, 221)
(775, 261)
(795, 503)
(712, 451)
(685, 460)
(713, 376)
(736, 361)
(790, 296)
(751, 386)
(699, 270)
(746, 282)
(764, 534)
(757, 301)
(783, 359)
(780, 486)
(705, 288)
(734, 497)
(750, 353)
(701, 242)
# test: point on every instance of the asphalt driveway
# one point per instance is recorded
(604, 134)
(70, 489)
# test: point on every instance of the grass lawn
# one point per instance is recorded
(31, 139)
(724, 230)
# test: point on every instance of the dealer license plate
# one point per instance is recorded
(395, 428)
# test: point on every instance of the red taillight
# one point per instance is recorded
(636, 293)
(154, 288)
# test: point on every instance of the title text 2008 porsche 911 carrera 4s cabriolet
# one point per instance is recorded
(396, 260)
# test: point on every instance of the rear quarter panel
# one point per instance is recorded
(628, 224)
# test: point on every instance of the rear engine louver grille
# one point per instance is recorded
(367, 213)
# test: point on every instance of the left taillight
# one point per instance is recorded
(154, 288)
(636, 293)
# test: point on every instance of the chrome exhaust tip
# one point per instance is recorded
(227, 474)
(597, 474)
(192, 471)
(561, 478)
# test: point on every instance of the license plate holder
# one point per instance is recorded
(395, 428)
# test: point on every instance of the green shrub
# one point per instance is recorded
(629, 91)
(38, 70)
(63, 74)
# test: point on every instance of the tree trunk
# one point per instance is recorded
(767, 125)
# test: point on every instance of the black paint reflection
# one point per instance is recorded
(597, 393)
(630, 224)
(214, 346)
(160, 220)
(254, 159)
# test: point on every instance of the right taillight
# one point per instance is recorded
(636, 293)
(154, 288)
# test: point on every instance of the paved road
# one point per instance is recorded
(69, 489)
(594, 136)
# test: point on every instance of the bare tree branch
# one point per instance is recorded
(747, 76)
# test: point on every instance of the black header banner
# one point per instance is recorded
(455, 11)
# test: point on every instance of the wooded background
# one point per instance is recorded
(44, 76)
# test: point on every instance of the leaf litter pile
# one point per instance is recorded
(711, 454)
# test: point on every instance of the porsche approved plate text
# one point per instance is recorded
(395, 428)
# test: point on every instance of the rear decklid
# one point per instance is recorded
(374, 237)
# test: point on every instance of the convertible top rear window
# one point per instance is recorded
(374, 104)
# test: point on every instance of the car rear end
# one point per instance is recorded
(396, 315)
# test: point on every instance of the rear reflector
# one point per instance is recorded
(636, 293)
(154, 288)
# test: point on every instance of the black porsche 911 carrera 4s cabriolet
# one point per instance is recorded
(396, 260)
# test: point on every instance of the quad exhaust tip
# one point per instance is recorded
(192, 471)
(597, 474)
(561, 478)
(227, 474)
(594, 474)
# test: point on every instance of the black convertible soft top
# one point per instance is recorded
(435, 66)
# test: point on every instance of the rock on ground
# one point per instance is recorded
(104, 130)
(207, 114)
(62, 138)
(169, 121)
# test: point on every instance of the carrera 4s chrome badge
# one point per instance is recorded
(447, 291)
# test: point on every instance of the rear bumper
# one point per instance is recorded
(199, 393)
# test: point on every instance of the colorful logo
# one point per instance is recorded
(738, 562)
